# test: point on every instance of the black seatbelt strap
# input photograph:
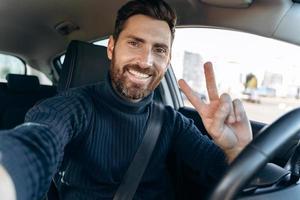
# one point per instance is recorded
(141, 158)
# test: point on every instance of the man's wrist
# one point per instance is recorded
(7, 187)
(232, 154)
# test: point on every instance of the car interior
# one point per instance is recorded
(40, 32)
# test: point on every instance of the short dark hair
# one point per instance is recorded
(157, 9)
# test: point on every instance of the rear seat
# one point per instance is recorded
(18, 95)
(85, 63)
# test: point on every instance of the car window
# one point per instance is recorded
(263, 72)
(10, 64)
(13, 65)
(103, 42)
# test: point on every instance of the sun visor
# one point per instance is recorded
(229, 3)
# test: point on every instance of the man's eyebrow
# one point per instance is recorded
(162, 45)
(136, 38)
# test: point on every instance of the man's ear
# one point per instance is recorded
(110, 47)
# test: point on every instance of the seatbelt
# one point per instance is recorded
(141, 158)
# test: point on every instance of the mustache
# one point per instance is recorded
(136, 67)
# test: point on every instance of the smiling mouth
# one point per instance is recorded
(138, 74)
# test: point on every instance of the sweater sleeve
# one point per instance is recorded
(198, 151)
(32, 152)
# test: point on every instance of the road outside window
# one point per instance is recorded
(263, 72)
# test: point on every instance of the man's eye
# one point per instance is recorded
(133, 43)
(161, 50)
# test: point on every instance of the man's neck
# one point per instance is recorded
(122, 96)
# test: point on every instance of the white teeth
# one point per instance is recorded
(138, 74)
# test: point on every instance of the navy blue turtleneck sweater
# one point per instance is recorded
(86, 139)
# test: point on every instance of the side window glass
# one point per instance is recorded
(62, 58)
(10, 64)
(13, 65)
(262, 72)
(103, 42)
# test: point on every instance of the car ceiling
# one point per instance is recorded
(27, 27)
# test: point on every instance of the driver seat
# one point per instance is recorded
(84, 64)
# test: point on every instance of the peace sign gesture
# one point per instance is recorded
(224, 119)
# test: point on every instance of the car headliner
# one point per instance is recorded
(27, 27)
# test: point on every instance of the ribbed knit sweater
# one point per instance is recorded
(88, 136)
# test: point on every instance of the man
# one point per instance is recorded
(88, 136)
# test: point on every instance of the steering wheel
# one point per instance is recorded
(256, 154)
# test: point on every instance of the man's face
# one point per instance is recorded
(140, 56)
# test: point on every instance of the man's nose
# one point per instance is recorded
(146, 58)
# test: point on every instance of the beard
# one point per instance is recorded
(131, 90)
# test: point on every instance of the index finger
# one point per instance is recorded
(189, 93)
(211, 85)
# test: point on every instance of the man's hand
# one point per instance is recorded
(224, 119)
(7, 188)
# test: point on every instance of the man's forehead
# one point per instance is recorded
(144, 27)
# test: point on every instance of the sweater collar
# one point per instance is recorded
(112, 98)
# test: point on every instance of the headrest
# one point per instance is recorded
(22, 83)
(84, 63)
